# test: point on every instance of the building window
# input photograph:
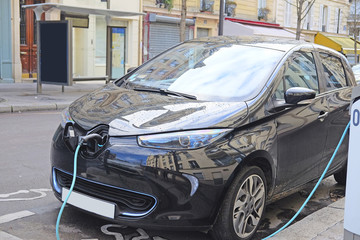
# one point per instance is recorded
(199, 175)
(262, 10)
(230, 7)
(324, 15)
(308, 19)
(22, 23)
(188, 156)
(288, 13)
(337, 20)
(193, 164)
(206, 5)
(163, 3)
(202, 32)
(100, 41)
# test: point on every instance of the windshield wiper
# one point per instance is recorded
(165, 91)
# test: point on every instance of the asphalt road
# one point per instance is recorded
(28, 209)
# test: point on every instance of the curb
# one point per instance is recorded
(34, 107)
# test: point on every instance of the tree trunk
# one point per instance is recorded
(298, 28)
(183, 21)
(298, 23)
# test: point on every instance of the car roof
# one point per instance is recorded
(281, 44)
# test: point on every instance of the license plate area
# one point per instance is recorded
(90, 204)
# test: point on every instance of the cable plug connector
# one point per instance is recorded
(93, 143)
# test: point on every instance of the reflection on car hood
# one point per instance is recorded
(132, 113)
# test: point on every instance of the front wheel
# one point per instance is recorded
(243, 206)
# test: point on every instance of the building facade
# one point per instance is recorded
(18, 52)
(89, 44)
(10, 66)
(162, 23)
(328, 16)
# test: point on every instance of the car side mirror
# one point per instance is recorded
(295, 95)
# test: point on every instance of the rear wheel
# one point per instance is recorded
(340, 177)
(243, 206)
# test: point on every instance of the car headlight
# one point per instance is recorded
(66, 117)
(182, 140)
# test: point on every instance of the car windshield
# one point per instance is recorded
(209, 71)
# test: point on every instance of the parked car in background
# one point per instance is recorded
(356, 70)
(204, 135)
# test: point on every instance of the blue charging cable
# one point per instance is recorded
(71, 189)
(316, 186)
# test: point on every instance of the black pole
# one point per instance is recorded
(221, 18)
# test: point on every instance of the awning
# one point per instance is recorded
(345, 45)
(238, 29)
(43, 7)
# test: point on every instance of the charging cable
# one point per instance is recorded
(316, 186)
(71, 188)
(82, 141)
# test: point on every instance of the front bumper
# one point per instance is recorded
(148, 186)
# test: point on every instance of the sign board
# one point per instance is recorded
(55, 57)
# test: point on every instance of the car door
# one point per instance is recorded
(338, 89)
(301, 130)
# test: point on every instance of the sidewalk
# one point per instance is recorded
(325, 224)
(18, 97)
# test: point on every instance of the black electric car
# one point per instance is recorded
(204, 135)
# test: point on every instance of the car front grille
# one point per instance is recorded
(128, 202)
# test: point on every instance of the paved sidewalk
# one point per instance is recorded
(325, 224)
(18, 97)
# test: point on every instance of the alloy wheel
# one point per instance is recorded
(248, 206)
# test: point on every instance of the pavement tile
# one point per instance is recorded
(317, 224)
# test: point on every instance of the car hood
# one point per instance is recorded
(128, 112)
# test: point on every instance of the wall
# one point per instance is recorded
(6, 66)
(315, 25)
(206, 19)
(15, 23)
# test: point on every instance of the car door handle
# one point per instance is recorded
(323, 115)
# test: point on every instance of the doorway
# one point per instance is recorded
(28, 41)
(117, 52)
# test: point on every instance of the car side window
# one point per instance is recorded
(300, 71)
(334, 71)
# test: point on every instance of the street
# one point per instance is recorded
(29, 209)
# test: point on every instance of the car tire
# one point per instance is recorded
(243, 207)
(340, 177)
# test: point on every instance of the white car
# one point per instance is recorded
(356, 70)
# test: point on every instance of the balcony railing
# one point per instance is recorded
(206, 6)
(230, 7)
(162, 3)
